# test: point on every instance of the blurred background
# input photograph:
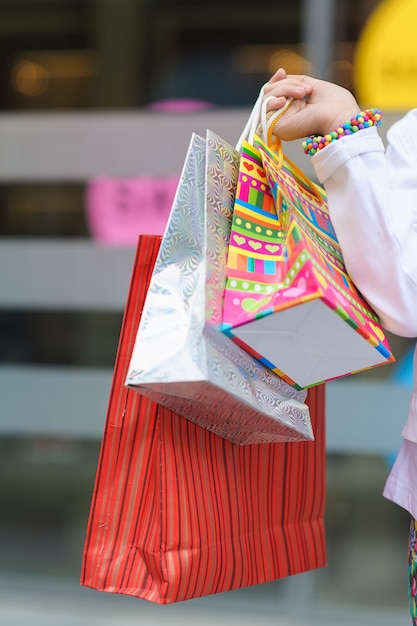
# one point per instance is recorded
(98, 99)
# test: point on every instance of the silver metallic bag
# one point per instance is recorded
(181, 359)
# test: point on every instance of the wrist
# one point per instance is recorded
(330, 124)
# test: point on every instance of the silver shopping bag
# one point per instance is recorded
(181, 359)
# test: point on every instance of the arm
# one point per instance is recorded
(372, 195)
(372, 200)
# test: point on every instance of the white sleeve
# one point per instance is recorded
(372, 197)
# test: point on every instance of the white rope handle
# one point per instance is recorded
(248, 131)
(258, 117)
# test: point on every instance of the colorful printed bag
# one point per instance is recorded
(178, 512)
(288, 299)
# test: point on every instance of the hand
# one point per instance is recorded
(318, 108)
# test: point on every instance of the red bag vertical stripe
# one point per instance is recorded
(178, 512)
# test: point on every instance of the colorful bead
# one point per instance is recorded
(365, 119)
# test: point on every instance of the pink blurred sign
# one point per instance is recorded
(120, 209)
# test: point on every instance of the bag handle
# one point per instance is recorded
(263, 124)
(259, 123)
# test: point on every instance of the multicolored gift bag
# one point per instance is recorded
(288, 299)
(255, 245)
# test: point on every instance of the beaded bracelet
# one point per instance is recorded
(364, 119)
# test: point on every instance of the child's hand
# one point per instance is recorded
(318, 108)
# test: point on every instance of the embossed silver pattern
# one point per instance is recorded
(181, 359)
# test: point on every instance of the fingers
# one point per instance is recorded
(284, 88)
(279, 75)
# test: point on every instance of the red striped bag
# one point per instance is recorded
(179, 512)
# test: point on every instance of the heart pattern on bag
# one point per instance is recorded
(251, 304)
(377, 331)
(239, 240)
(255, 245)
(248, 166)
(297, 290)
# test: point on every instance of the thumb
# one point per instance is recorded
(275, 103)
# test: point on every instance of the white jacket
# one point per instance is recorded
(372, 197)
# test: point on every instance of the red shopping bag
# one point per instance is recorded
(178, 512)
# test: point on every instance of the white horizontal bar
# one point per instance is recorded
(363, 417)
(62, 401)
(78, 146)
(70, 275)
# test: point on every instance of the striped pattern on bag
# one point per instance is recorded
(178, 512)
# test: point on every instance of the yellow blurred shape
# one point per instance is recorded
(385, 66)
